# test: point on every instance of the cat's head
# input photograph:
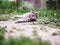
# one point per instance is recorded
(34, 15)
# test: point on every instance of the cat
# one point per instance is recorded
(28, 17)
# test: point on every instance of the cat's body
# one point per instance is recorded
(27, 17)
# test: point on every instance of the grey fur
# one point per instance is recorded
(28, 17)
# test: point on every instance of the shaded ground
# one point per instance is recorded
(30, 29)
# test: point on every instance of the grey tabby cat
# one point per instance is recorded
(28, 17)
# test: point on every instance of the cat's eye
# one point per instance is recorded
(32, 15)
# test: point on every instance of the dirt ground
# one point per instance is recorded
(27, 29)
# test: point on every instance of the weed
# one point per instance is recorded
(27, 41)
(14, 27)
(2, 30)
(22, 41)
(34, 33)
(11, 31)
(43, 28)
(55, 33)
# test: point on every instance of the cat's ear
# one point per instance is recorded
(32, 11)
(37, 13)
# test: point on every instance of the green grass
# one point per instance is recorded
(7, 7)
(49, 16)
(4, 17)
(24, 41)
(2, 30)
